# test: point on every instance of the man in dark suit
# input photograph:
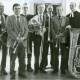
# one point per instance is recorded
(29, 45)
(47, 40)
(3, 42)
(74, 16)
(38, 22)
(59, 33)
(16, 26)
(74, 19)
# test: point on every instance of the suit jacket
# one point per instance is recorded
(55, 25)
(5, 16)
(12, 29)
(4, 35)
(74, 21)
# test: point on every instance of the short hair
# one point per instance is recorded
(60, 6)
(1, 4)
(50, 6)
(73, 3)
(41, 5)
(16, 4)
(25, 5)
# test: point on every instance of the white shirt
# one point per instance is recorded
(16, 17)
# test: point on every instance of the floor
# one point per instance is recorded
(31, 76)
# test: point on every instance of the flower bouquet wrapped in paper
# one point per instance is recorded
(34, 26)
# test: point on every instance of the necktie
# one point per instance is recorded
(18, 23)
(60, 21)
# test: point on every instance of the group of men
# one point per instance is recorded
(53, 32)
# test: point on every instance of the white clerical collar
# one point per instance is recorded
(72, 14)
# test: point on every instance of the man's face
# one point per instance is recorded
(1, 9)
(17, 10)
(59, 11)
(49, 10)
(72, 6)
(25, 9)
(40, 10)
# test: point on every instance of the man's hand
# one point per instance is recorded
(20, 39)
(2, 29)
(59, 36)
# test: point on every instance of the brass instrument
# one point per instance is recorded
(3, 33)
(74, 53)
(15, 45)
(49, 30)
(3, 37)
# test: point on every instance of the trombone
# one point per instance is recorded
(49, 30)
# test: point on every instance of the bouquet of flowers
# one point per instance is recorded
(34, 26)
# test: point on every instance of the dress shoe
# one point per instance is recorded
(22, 74)
(3, 72)
(78, 69)
(63, 72)
(13, 72)
(12, 76)
(35, 72)
(30, 69)
(42, 71)
(54, 72)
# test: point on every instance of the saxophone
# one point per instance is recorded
(74, 53)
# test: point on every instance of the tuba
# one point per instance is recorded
(74, 53)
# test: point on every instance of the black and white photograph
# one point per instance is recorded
(39, 39)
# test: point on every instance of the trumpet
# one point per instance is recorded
(15, 45)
